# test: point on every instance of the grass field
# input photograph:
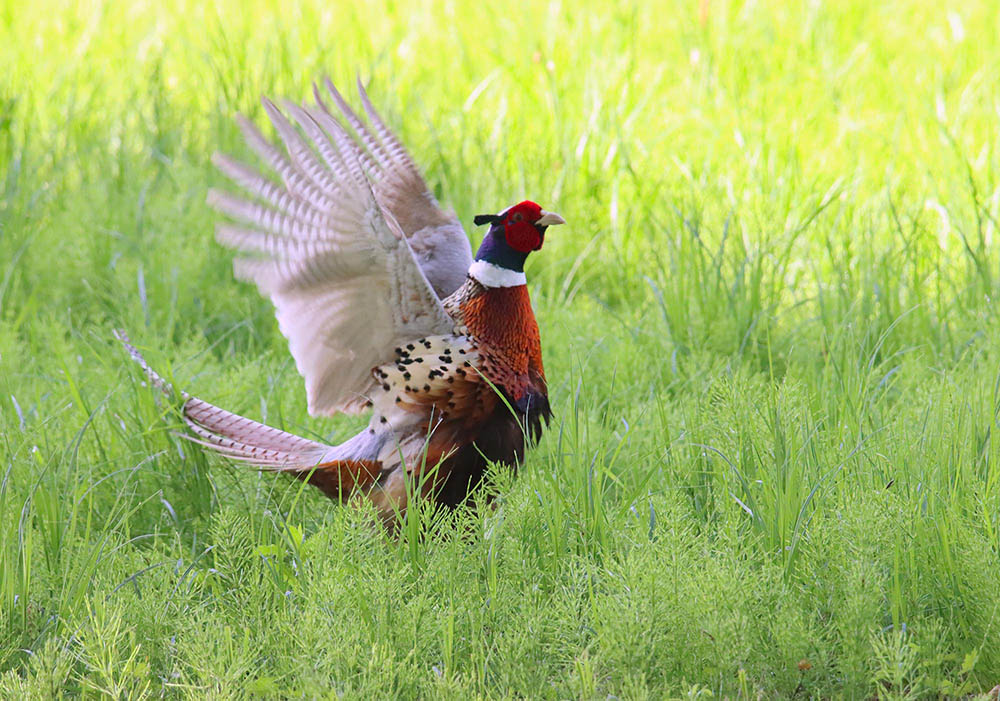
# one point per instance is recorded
(770, 332)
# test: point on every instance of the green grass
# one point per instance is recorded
(770, 330)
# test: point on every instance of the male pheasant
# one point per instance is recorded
(384, 308)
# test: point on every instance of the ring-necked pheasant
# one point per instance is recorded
(384, 308)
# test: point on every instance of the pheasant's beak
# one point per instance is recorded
(549, 219)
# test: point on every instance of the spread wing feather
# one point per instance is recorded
(328, 248)
(436, 237)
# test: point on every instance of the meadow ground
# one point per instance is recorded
(770, 330)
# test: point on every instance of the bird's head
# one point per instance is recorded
(514, 233)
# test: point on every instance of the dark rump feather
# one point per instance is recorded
(500, 440)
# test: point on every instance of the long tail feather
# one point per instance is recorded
(243, 439)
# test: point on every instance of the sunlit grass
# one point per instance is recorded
(769, 329)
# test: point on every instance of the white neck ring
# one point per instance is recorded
(489, 275)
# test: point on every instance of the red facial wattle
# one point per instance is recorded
(522, 236)
(519, 227)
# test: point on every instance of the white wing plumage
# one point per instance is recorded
(437, 238)
(328, 248)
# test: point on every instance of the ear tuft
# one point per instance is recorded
(481, 219)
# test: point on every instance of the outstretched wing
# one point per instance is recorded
(437, 238)
(332, 257)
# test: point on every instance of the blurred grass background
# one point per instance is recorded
(769, 328)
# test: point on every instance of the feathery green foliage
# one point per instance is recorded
(769, 328)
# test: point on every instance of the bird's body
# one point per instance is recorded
(384, 308)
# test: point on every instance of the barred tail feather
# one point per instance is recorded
(134, 353)
(267, 448)
(248, 441)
